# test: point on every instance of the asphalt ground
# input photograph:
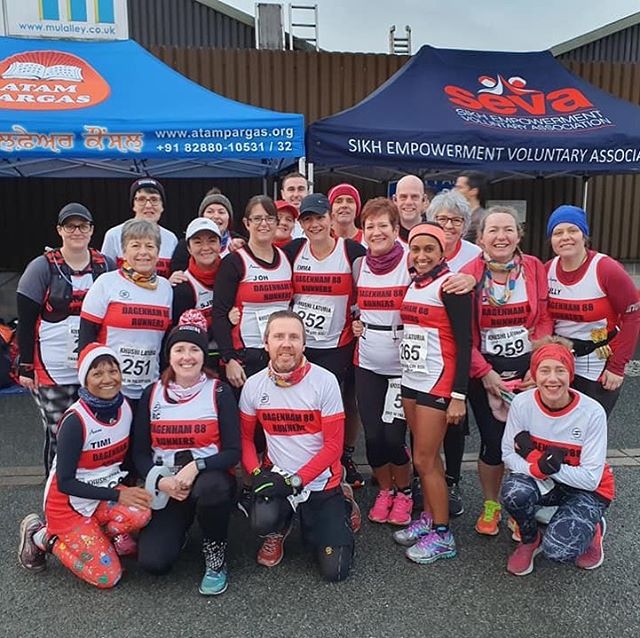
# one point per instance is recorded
(386, 595)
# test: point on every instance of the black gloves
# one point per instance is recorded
(523, 444)
(271, 484)
(551, 459)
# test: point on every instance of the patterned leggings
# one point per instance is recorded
(572, 527)
(87, 549)
(53, 401)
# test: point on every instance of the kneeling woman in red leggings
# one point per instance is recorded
(88, 513)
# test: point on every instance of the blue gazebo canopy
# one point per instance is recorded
(76, 109)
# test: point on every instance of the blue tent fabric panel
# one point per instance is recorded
(521, 112)
(115, 100)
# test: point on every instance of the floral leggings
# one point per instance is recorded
(87, 549)
(570, 530)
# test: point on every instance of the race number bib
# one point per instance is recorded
(315, 317)
(506, 342)
(413, 350)
(262, 317)
(393, 402)
(73, 334)
(138, 364)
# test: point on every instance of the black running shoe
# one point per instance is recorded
(351, 474)
(244, 500)
(416, 494)
(456, 508)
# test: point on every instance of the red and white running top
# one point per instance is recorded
(503, 331)
(323, 295)
(261, 291)
(112, 247)
(582, 311)
(202, 295)
(379, 299)
(303, 426)
(428, 348)
(189, 425)
(580, 429)
(465, 252)
(133, 321)
(103, 451)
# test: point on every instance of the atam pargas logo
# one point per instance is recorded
(49, 81)
(511, 96)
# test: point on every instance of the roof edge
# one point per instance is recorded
(228, 10)
(596, 34)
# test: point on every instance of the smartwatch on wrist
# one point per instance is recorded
(296, 483)
(459, 396)
(201, 464)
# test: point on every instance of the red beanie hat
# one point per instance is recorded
(88, 355)
(557, 352)
(346, 189)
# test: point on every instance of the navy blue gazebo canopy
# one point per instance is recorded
(77, 109)
(498, 112)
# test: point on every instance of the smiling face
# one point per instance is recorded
(379, 234)
(294, 190)
(104, 379)
(76, 233)
(186, 360)
(568, 241)
(286, 222)
(453, 225)
(261, 225)
(204, 247)
(343, 210)
(141, 254)
(552, 380)
(316, 227)
(147, 204)
(410, 200)
(218, 214)
(500, 237)
(426, 253)
(284, 344)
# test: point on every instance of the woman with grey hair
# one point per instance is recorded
(451, 211)
(130, 311)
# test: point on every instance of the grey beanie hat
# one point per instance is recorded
(215, 199)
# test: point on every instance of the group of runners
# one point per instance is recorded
(164, 369)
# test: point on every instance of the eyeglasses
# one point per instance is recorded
(154, 200)
(258, 220)
(84, 228)
(456, 222)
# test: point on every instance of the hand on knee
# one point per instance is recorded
(335, 562)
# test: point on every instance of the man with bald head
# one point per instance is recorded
(412, 203)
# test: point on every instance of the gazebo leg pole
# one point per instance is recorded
(585, 192)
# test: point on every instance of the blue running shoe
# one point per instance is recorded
(214, 582)
(416, 530)
(432, 547)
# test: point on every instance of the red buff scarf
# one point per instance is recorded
(287, 379)
(150, 282)
(426, 278)
(205, 277)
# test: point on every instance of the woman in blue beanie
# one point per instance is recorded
(594, 303)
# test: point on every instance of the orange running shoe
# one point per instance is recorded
(488, 522)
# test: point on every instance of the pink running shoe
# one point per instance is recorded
(381, 509)
(401, 509)
(125, 545)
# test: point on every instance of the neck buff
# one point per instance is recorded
(226, 236)
(383, 264)
(205, 277)
(106, 410)
(426, 278)
(287, 379)
(179, 394)
(513, 270)
(144, 281)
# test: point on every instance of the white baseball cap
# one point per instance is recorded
(202, 223)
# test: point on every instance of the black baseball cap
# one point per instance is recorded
(74, 210)
(315, 204)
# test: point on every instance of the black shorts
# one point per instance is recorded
(325, 519)
(425, 398)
